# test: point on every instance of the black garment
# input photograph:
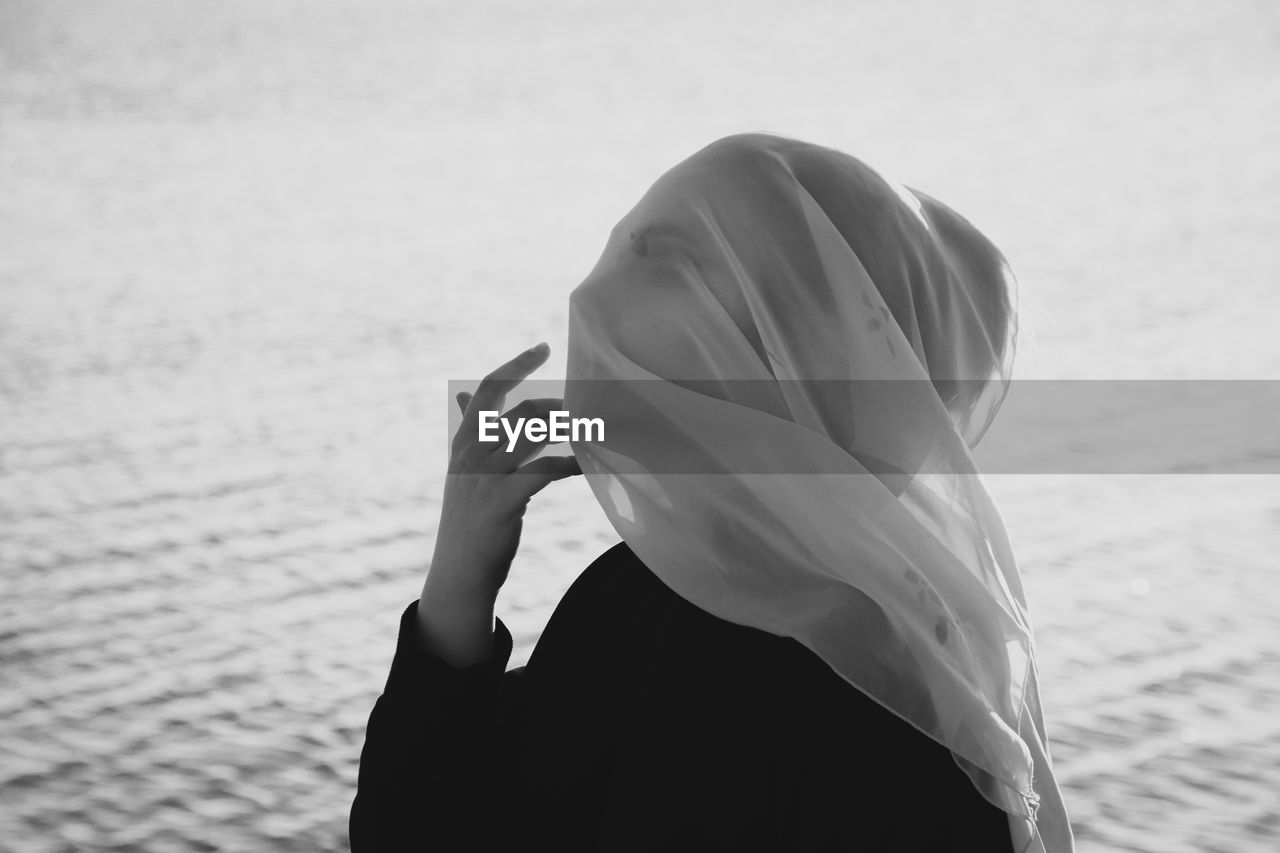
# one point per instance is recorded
(644, 723)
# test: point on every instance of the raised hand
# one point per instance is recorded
(487, 490)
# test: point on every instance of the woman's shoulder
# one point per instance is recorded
(618, 607)
(614, 590)
(615, 571)
(618, 593)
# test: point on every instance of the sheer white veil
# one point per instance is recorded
(793, 357)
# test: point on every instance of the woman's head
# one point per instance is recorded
(732, 233)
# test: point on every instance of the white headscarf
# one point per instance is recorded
(847, 515)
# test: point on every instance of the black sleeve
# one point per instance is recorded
(426, 770)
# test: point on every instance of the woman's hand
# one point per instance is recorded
(486, 492)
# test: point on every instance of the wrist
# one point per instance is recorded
(455, 586)
(454, 625)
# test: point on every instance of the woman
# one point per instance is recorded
(813, 635)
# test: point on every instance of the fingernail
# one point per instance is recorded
(539, 348)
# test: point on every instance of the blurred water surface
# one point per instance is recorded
(243, 246)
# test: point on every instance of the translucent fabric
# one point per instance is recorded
(848, 514)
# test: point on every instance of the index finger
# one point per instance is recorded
(493, 389)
